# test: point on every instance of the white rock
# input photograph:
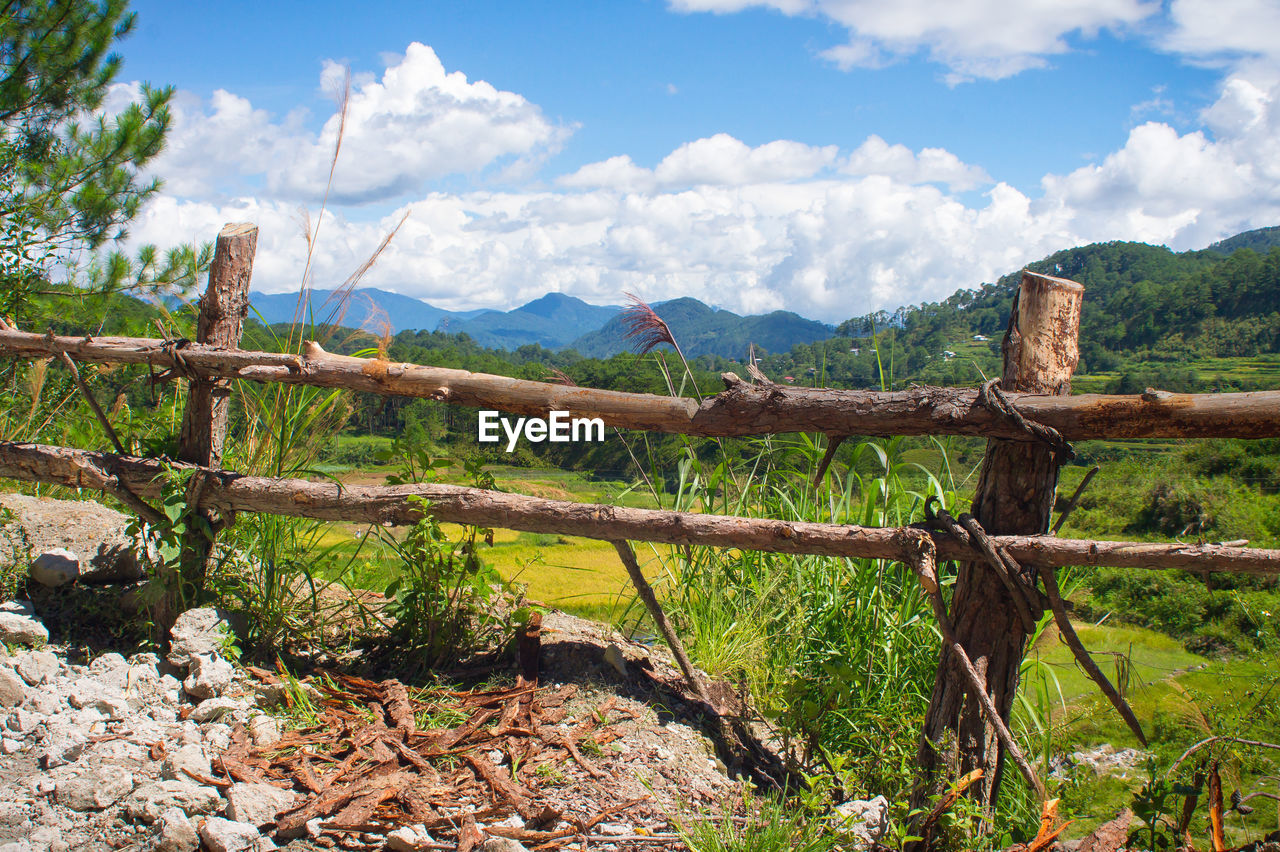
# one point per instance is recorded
(111, 671)
(190, 757)
(210, 676)
(409, 838)
(264, 729)
(46, 702)
(224, 835)
(22, 720)
(19, 625)
(176, 833)
(862, 822)
(94, 790)
(55, 567)
(217, 736)
(8, 746)
(61, 749)
(198, 631)
(313, 827)
(38, 667)
(503, 844)
(12, 690)
(147, 803)
(257, 804)
(615, 829)
(212, 709)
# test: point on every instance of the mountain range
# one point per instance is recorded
(554, 321)
(557, 321)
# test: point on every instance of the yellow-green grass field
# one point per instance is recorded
(1180, 698)
(578, 575)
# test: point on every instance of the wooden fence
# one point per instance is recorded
(1014, 499)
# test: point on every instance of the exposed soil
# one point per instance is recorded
(104, 752)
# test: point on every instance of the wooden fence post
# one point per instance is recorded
(1015, 496)
(204, 424)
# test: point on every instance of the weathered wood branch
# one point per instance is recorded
(991, 610)
(742, 409)
(228, 491)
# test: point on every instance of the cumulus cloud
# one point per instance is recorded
(826, 232)
(415, 124)
(782, 225)
(988, 40)
(1225, 31)
(931, 165)
(1184, 189)
(719, 160)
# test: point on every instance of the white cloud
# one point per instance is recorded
(828, 233)
(931, 165)
(988, 39)
(781, 225)
(1225, 30)
(719, 160)
(1189, 189)
(416, 124)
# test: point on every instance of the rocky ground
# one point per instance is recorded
(189, 751)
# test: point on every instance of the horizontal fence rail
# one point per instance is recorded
(228, 491)
(742, 409)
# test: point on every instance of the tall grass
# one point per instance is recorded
(839, 653)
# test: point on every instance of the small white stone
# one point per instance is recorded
(615, 829)
(38, 667)
(185, 757)
(264, 729)
(224, 835)
(12, 689)
(212, 709)
(257, 804)
(176, 834)
(19, 625)
(55, 567)
(210, 676)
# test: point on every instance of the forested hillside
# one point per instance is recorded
(1149, 315)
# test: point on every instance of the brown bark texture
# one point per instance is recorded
(219, 325)
(226, 491)
(1015, 495)
(741, 409)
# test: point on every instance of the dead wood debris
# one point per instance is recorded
(374, 761)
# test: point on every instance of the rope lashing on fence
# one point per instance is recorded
(921, 554)
(991, 397)
(1030, 601)
(170, 347)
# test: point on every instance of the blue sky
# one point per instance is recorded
(824, 156)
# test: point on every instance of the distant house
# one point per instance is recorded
(855, 351)
(981, 337)
(948, 354)
(788, 378)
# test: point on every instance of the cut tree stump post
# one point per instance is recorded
(1015, 495)
(223, 308)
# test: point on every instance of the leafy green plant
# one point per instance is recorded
(15, 554)
(1154, 807)
(769, 826)
(442, 605)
